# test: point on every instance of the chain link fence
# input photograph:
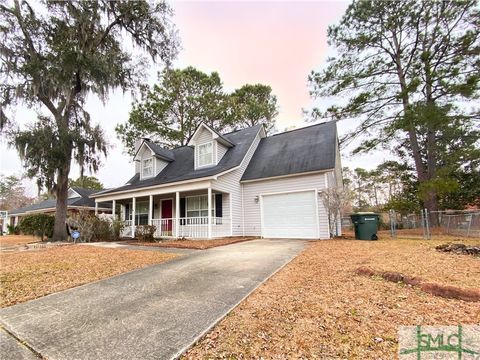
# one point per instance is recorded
(424, 225)
(428, 224)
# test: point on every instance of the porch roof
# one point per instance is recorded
(82, 201)
(182, 168)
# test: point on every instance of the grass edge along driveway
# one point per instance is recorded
(32, 274)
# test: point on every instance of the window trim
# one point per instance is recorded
(138, 214)
(143, 167)
(197, 149)
(187, 199)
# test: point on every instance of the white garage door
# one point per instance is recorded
(290, 215)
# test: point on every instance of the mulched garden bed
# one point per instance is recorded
(193, 244)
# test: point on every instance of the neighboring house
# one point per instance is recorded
(238, 184)
(78, 199)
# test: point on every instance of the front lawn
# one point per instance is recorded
(12, 240)
(318, 307)
(194, 244)
(32, 274)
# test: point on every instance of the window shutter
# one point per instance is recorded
(182, 211)
(182, 207)
(127, 211)
(218, 205)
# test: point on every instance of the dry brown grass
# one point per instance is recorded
(29, 275)
(194, 244)
(9, 240)
(317, 307)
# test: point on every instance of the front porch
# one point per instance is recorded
(199, 214)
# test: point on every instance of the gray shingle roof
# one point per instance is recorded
(183, 166)
(83, 201)
(84, 192)
(311, 148)
(161, 152)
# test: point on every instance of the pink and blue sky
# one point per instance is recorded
(274, 43)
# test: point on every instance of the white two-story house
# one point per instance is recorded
(243, 183)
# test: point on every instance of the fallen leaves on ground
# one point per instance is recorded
(194, 244)
(8, 240)
(29, 275)
(317, 307)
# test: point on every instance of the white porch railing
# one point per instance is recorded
(197, 227)
(164, 227)
(127, 230)
(193, 227)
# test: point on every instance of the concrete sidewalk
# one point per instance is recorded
(151, 313)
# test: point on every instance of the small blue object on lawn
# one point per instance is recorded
(75, 234)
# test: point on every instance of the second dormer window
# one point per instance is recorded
(147, 168)
(205, 154)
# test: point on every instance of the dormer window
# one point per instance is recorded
(205, 154)
(147, 167)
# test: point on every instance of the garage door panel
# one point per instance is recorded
(290, 215)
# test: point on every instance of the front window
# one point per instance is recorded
(147, 168)
(205, 154)
(141, 213)
(197, 206)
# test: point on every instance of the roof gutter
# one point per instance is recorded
(52, 208)
(287, 175)
(158, 186)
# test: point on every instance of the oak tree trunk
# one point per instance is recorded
(60, 228)
(61, 186)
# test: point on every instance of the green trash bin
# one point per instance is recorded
(366, 225)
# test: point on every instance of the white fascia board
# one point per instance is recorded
(53, 209)
(199, 184)
(287, 175)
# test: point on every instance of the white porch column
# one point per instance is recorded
(114, 209)
(150, 209)
(96, 208)
(209, 234)
(231, 214)
(134, 205)
(177, 214)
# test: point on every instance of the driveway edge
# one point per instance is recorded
(210, 327)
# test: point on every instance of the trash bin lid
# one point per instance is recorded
(363, 214)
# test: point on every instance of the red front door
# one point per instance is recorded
(167, 213)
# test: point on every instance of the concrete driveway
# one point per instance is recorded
(151, 313)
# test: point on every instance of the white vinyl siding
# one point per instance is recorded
(221, 151)
(230, 183)
(72, 194)
(252, 215)
(203, 136)
(160, 165)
